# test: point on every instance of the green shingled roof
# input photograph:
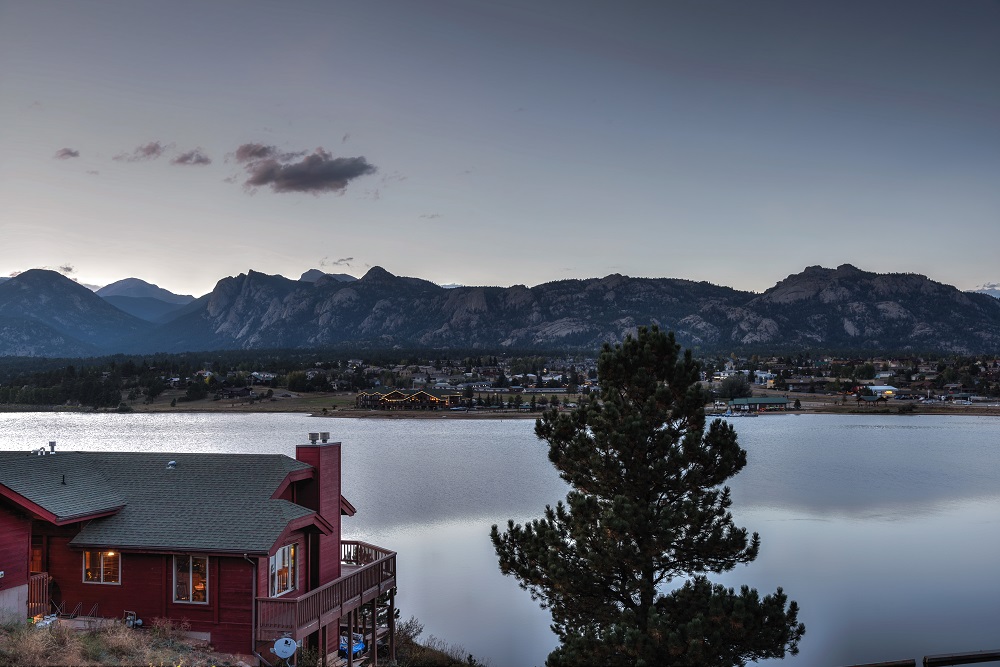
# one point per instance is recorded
(65, 485)
(207, 502)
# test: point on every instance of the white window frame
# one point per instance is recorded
(190, 579)
(290, 554)
(100, 567)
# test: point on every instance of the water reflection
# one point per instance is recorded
(883, 528)
(867, 467)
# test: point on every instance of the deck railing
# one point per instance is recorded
(38, 594)
(942, 660)
(303, 615)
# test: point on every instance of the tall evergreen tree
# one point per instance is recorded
(647, 507)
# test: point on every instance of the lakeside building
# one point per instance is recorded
(759, 404)
(407, 399)
(246, 548)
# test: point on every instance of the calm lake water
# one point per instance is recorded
(885, 529)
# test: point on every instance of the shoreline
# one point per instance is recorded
(335, 406)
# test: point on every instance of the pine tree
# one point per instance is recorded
(646, 508)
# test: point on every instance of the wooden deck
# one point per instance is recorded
(368, 571)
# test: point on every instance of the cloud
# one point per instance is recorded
(66, 153)
(344, 138)
(67, 268)
(150, 151)
(251, 153)
(343, 261)
(192, 157)
(93, 172)
(13, 274)
(315, 173)
(430, 216)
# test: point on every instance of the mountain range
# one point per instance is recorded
(43, 313)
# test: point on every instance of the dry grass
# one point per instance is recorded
(28, 645)
(162, 645)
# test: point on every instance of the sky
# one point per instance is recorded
(499, 142)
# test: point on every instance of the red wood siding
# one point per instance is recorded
(234, 594)
(15, 545)
(322, 493)
(142, 587)
(147, 589)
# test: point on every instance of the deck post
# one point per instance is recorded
(374, 647)
(392, 624)
(350, 638)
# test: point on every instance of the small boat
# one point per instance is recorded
(359, 644)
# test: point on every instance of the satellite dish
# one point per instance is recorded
(284, 648)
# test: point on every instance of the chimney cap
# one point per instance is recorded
(313, 437)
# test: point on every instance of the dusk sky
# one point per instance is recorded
(499, 142)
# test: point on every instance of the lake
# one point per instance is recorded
(884, 529)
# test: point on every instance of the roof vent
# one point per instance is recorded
(171, 465)
(52, 446)
(313, 437)
(324, 436)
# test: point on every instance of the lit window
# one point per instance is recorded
(283, 570)
(191, 579)
(102, 567)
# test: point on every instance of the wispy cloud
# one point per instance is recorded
(66, 153)
(67, 268)
(192, 157)
(150, 151)
(343, 261)
(315, 173)
(430, 216)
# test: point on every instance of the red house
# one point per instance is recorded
(246, 548)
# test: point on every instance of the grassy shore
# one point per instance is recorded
(341, 404)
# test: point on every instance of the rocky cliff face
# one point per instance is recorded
(852, 309)
(383, 310)
(829, 309)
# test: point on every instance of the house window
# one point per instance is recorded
(102, 567)
(191, 579)
(284, 565)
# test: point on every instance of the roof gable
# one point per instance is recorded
(60, 488)
(204, 502)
